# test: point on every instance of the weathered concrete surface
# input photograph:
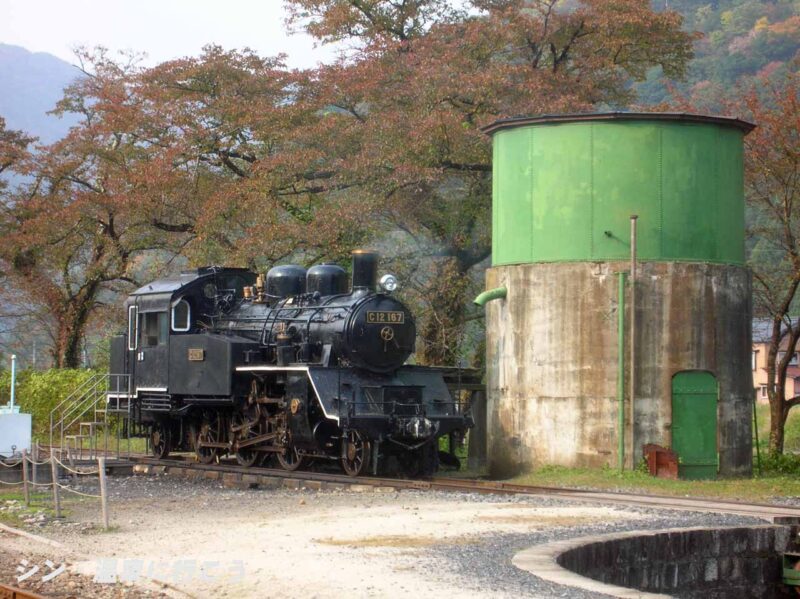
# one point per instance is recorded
(476, 457)
(552, 359)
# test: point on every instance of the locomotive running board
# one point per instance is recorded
(268, 368)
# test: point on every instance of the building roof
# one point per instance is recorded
(762, 329)
(546, 119)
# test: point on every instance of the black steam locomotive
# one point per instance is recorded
(294, 365)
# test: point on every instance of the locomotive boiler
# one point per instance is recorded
(296, 364)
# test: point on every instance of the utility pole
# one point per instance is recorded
(632, 409)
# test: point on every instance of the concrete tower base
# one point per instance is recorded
(552, 360)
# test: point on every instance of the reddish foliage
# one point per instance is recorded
(773, 188)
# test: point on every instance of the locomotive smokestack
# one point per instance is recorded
(365, 269)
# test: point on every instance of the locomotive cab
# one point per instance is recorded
(158, 315)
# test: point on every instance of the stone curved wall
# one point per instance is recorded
(699, 563)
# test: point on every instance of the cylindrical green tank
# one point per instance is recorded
(565, 186)
(559, 312)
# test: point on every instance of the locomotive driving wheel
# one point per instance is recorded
(208, 432)
(245, 425)
(355, 453)
(160, 440)
(290, 459)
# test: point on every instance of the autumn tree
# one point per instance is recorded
(405, 106)
(70, 229)
(193, 159)
(13, 148)
(260, 190)
(773, 186)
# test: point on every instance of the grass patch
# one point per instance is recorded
(792, 430)
(16, 513)
(41, 501)
(755, 489)
(780, 475)
(137, 445)
(37, 497)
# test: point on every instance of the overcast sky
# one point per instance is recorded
(164, 29)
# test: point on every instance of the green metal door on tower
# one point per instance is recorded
(694, 424)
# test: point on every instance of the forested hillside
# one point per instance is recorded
(741, 40)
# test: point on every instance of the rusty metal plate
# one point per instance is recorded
(7, 592)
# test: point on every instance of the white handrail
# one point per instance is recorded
(56, 409)
(89, 395)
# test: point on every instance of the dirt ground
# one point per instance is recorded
(178, 538)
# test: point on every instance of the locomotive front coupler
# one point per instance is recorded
(417, 427)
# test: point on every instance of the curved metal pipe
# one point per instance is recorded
(489, 295)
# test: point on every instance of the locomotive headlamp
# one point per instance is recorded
(388, 283)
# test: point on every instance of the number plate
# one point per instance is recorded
(386, 317)
(197, 355)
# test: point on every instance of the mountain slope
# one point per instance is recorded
(30, 85)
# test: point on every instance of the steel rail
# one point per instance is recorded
(759, 510)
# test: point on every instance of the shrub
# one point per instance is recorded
(776, 464)
(39, 391)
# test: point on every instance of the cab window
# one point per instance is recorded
(133, 330)
(154, 329)
(181, 314)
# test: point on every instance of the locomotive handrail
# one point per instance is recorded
(275, 312)
(400, 403)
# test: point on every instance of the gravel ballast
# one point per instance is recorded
(303, 543)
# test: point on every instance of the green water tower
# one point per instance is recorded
(576, 375)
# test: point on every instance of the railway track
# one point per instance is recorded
(757, 510)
